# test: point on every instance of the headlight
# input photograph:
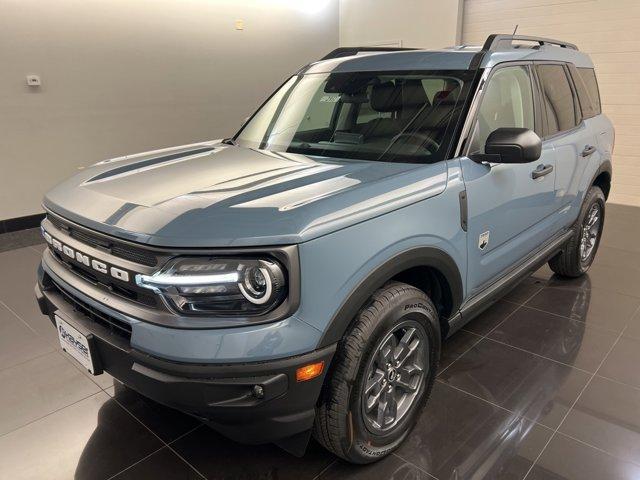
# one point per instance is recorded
(219, 286)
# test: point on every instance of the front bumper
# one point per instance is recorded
(226, 396)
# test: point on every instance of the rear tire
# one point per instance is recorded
(580, 250)
(356, 419)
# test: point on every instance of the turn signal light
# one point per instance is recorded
(309, 371)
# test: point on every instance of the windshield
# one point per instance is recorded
(384, 116)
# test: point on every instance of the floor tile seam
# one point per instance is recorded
(20, 318)
(624, 384)
(417, 466)
(324, 470)
(2, 369)
(634, 462)
(75, 402)
(136, 462)
(539, 355)
(488, 402)
(164, 443)
(560, 286)
(587, 325)
(577, 399)
(534, 294)
(176, 453)
(479, 340)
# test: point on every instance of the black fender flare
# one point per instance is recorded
(605, 167)
(415, 257)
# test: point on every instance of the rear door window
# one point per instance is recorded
(557, 98)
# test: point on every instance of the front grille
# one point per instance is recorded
(119, 288)
(115, 326)
(114, 247)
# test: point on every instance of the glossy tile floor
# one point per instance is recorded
(544, 385)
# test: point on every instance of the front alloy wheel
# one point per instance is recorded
(395, 374)
(381, 376)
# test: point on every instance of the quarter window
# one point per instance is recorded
(557, 97)
(588, 77)
(507, 102)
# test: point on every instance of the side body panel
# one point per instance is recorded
(343, 260)
(511, 211)
(572, 168)
(510, 215)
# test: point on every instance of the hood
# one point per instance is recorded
(216, 195)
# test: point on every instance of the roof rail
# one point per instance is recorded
(348, 51)
(497, 41)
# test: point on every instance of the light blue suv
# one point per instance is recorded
(300, 276)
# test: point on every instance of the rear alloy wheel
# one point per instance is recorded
(381, 376)
(580, 251)
(590, 232)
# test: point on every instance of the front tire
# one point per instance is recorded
(381, 377)
(580, 250)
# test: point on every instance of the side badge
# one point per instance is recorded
(483, 240)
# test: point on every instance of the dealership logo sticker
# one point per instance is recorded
(483, 240)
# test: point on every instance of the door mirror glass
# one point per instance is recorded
(511, 145)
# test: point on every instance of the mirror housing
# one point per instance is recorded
(511, 145)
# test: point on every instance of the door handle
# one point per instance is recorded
(541, 171)
(588, 150)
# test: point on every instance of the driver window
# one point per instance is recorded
(507, 102)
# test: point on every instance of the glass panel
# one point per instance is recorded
(385, 116)
(558, 98)
(507, 102)
(588, 76)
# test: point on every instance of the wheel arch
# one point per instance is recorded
(418, 267)
(602, 178)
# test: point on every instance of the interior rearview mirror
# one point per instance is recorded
(511, 145)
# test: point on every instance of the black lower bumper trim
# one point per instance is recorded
(257, 402)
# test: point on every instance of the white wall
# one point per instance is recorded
(123, 76)
(414, 23)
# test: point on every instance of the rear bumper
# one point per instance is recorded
(226, 396)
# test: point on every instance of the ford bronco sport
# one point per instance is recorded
(300, 276)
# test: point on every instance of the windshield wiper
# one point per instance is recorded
(229, 141)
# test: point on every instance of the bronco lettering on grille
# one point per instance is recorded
(85, 259)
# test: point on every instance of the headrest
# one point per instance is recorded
(354, 97)
(386, 97)
(413, 94)
(444, 97)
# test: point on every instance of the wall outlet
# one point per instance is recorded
(33, 80)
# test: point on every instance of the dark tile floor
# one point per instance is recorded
(544, 385)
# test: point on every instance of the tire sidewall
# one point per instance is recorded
(365, 445)
(594, 196)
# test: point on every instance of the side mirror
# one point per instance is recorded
(511, 145)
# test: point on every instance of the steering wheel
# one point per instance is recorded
(431, 145)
